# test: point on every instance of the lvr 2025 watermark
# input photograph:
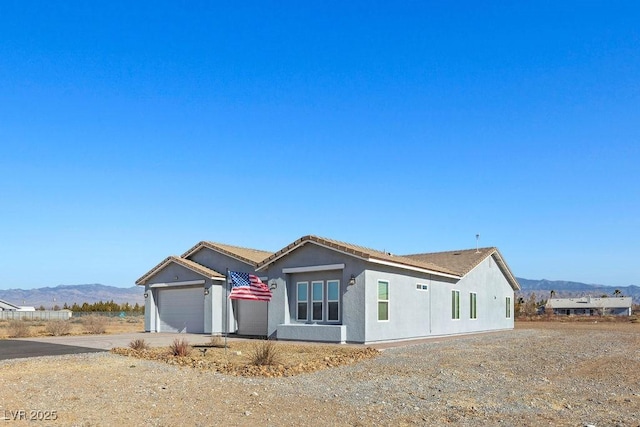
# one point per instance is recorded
(29, 415)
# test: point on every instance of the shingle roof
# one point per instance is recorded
(463, 261)
(360, 252)
(191, 265)
(247, 255)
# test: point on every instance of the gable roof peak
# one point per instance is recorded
(247, 255)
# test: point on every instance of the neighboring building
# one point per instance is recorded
(331, 291)
(7, 306)
(188, 293)
(590, 306)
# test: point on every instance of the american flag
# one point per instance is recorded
(246, 286)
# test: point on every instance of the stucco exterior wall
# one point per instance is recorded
(282, 308)
(491, 288)
(413, 313)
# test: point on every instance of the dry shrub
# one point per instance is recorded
(265, 353)
(94, 324)
(180, 347)
(216, 341)
(138, 344)
(58, 327)
(18, 329)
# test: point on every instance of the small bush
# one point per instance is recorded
(94, 324)
(138, 344)
(18, 329)
(265, 353)
(180, 348)
(58, 327)
(216, 341)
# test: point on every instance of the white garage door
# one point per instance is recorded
(252, 317)
(181, 309)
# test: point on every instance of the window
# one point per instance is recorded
(302, 298)
(383, 300)
(317, 300)
(472, 309)
(333, 300)
(324, 301)
(455, 304)
(508, 301)
(422, 287)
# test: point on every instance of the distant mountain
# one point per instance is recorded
(565, 289)
(58, 295)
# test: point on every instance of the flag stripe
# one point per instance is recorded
(246, 286)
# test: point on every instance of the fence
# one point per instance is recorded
(35, 315)
(106, 314)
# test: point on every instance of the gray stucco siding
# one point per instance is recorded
(282, 308)
(410, 310)
(491, 288)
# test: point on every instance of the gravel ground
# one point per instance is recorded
(538, 374)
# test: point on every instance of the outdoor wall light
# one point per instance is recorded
(146, 294)
(274, 286)
(206, 291)
(175, 278)
(352, 280)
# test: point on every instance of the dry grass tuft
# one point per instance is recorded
(216, 341)
(265, 353)
(138, 344)
(18, 329)
(58, 327)
(180, 348)
(95, 324)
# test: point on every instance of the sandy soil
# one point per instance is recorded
(564, 374)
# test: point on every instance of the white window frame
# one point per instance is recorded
(473, 305)
(422, 287)
(298, 301)
(455, 304)
(332, 300)
(317, 301)
(382, 301)
(508, 307)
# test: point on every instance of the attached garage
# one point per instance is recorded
(181, 309)
(252, 317)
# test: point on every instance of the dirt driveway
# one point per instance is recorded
(551, 374)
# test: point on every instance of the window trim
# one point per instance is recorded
(508, 307)
(315, 301)
(337, 281)
(473, 305)
(382, 301)
(298, 301)
(422, 287)
(455, 304)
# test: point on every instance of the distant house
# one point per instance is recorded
(590, 306)
(7, 306)
(331, 291)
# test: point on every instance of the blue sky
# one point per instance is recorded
(132, 130)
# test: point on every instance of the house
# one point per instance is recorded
(187, 293)
(589, 306)
(7, 306)
(331, 291)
